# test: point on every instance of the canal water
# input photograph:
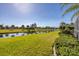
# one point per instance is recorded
(17, 34)
(12, 35)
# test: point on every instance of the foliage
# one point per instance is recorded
(67, 45)
(72, 8)
(66, 28)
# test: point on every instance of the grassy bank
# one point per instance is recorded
(30, 45)
(12, 30)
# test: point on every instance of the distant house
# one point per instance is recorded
(76, 28)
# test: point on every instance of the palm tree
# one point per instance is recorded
(72, 8)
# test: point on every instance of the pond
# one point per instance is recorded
(12, 35)
(7, 35)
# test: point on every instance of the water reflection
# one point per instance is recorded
(12, 35)
(17, 34)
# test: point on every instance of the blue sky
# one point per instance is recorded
(44, 14)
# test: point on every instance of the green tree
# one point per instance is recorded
(6, 27)
(12, 27)
(62, 25)
(1, 26)
(23, 27)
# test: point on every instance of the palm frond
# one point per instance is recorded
(72, 8)
(63, 5)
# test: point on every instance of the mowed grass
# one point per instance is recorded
(30, 45)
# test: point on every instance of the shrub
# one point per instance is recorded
(67, 45)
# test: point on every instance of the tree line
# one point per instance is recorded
(30, 28)
(18, 27)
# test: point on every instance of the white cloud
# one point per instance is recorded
(22, 7)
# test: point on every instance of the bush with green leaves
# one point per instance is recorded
(66, 28)
(67, 45)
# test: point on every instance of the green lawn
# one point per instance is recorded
(30, 45)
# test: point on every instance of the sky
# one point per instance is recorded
(43, 14)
